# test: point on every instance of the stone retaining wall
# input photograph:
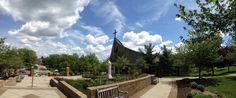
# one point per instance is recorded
(131, 86)
(53, 82)
(67, 89)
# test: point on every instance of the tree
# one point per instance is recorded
(212, 16)
(121, 63)
(3, 52)
(180, 60)
(205, 25)
(28, 56)
(150, 57)
(141, 65)
(203, 53)
(229, 54)
(165, 62)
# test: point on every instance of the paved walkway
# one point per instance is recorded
(160, 90)
(164, 87)
(39, 82)
(41, 89)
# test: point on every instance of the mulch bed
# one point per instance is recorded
(182, 88)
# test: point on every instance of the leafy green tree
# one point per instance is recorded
(180, 60)
(206, 25)
(229, 55)
(3, 52)
(141, 65)
(121, 63)
(204, 53)
(89, 63)
(60, 62)
(9, 57)
(150, 57)
(212, 16)
(28, 56)
(165, 62)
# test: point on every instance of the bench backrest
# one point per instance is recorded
(111, 92)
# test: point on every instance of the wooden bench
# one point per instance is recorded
(111, 92)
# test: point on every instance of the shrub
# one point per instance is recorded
(201, 96)
(190, 95)
(194, 85)
(200, 87)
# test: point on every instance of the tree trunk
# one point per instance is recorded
(199, 72)
(213, 71)
(208, 71)
(228, 68)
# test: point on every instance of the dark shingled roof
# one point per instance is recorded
(118, 50)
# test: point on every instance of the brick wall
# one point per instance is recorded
(131, 86)
(67, 89)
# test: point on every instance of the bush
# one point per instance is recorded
(200, 87)
(197, 95)
(190, 95)
(194, 85)
(98, 80)
(201, 96)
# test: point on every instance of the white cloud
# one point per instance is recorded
(93, 29)
(178, 19)
(138, 40)
(110, 12)
(90, 39)
(166, 43)
(44, 24)
(101, 51)
(43, 18)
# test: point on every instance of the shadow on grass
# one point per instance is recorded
(232, 78)
(184, 85)
(226, 73)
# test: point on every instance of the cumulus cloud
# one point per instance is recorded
(44, 23)
(43, 18)
(166, 43)
(138, 40)
(90, 39)
(101, 51)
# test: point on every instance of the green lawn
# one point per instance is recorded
(226, 86)
(223, 86)
(218, 71)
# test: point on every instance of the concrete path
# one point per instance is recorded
(160, 90)
(38, 82)
(165, 85)
(41, 89)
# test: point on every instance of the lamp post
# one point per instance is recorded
(32, 74)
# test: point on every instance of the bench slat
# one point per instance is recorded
(111, 92)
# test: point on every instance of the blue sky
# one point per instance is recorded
(87, 26)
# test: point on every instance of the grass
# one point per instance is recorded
(226, 87)
(218, 71)
(222, 86)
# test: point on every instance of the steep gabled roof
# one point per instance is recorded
(118, 50)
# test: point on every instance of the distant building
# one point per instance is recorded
(39, 61)
(118, 50)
